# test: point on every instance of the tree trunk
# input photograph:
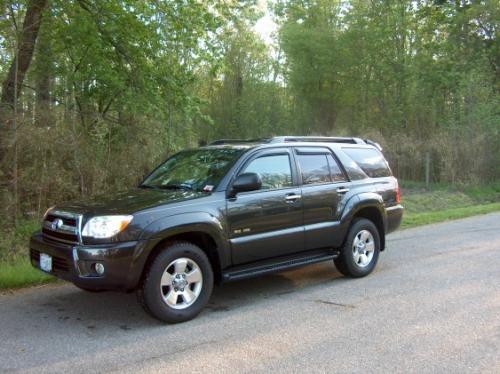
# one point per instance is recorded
(43, 69)
(11, 88)
(13, 81)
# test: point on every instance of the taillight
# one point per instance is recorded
(398, 193)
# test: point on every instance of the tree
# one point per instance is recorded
(11, 88)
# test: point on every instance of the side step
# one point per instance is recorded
(283, 263)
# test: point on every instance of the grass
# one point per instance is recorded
(15, 268)
(19, 273)
(423, 205)
(411, 219)
(437, 203)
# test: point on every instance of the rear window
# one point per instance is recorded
(370, 161)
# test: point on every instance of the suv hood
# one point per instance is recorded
(131, 201)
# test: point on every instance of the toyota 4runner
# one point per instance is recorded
(227, 211)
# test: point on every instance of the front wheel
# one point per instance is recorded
(178, 283)
(360, 252)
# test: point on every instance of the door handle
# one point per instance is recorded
(292, 197)
(342, 190)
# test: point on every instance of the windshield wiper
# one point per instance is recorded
(146, 186)
(174, 186)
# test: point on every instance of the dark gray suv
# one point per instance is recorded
(230, 210)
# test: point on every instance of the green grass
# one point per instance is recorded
(438, 202)
(19, 273)
(411, 219)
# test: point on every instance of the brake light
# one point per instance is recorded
(398, 193)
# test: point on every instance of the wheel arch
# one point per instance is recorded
(201, 239)
(369, 206)
(373, 214)
(202, 229)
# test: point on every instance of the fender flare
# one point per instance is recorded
(184, 223)
(361, 201)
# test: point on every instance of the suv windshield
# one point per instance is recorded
(198, 169)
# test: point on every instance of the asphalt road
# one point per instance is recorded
(432, 305)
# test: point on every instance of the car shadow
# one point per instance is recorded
(95, 310)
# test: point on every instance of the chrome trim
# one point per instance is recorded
(56, 239)
(75, 261)
(65, 229)
(79, 228)
(56, 212)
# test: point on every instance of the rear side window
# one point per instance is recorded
(314, 168)
(370, 161)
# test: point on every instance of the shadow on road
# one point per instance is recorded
(93, 310)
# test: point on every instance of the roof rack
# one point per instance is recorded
(239, 141)
(305, 139)
(318, 139)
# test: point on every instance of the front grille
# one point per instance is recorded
(58, 263)
(62, 227)
(69, 221)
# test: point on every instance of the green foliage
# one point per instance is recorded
(116, 86)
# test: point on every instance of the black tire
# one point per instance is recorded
(150, 295)
(346, 263)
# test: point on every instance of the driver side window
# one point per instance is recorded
(274, 170)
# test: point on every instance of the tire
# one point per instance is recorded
(178, 284)
(350, 262)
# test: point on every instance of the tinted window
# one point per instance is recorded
(336, 172)
(314, 168)
(199, 169)
(274, 170)
(370, 161)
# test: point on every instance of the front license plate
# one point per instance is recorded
(45, 262)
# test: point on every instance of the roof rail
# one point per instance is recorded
(319, 139)
(239, 141)
(305, 139)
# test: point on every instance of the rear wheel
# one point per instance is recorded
(360, 252)
(178, 283)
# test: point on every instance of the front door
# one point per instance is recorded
(267, 223)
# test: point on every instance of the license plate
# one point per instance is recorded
(45, 262)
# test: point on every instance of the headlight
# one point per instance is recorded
(105, 226)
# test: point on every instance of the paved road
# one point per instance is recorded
(433, 305)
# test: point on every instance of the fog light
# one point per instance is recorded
(99, 268)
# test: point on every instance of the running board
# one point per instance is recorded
(254, 270)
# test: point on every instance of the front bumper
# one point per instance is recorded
(122, 262)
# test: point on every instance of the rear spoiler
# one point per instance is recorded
(375, 144)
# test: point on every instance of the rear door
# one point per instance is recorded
(267, 223)
(324, 186)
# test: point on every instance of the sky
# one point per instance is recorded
(265, 26)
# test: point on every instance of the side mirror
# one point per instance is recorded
(246, 182)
